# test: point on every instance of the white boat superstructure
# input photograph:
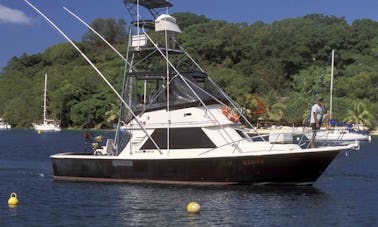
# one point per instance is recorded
(48, 125)
(193, 134)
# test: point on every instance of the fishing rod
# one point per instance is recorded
(96, 69)
(98, 34)
(110, 45)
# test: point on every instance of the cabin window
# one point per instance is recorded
(241, 134)
(180, 138)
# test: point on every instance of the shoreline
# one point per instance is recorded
(63, 129)
(374, 132)
(295, 130)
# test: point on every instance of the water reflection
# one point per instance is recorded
(227, 205)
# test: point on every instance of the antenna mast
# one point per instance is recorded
(45, 102)
(331, 87)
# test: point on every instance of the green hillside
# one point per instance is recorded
(272, 70)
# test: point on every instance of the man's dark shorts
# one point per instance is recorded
(313, 126)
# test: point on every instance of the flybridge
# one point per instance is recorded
(150, 4)
(155, 7)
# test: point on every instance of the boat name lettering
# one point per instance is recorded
(144, 151)
(122, 163)
(252, 162)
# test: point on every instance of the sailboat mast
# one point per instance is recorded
(44, 101)
(331, 87)
(168, 91)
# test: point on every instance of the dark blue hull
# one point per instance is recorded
(296, 168)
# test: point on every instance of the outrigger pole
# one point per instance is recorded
(110, 45)
(98, 34)
(96, 69)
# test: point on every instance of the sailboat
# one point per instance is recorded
(48, 125)
(4, 125)
(177, 126)
(341, 132)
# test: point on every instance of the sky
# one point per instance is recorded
(22, 30)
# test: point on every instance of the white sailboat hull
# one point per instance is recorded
(338, 135)
(46, 127)
(4, 126)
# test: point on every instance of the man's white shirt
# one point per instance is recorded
(319, 113)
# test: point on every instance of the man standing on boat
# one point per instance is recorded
(317, 112)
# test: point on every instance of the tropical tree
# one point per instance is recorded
(275, 108)
(297, 108)
(286, 57)
(111, 115)
(359, 115)
(113, 31)
(252, 106)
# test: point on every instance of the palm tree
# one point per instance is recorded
(276, 111)
(111, 115)
(359, 114)
(275, 108)
(248, 104)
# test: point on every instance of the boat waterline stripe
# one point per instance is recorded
(165, 182)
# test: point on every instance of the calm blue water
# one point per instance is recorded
(346, 194)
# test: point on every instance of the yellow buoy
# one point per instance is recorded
(12, 201)
(193, 207)
(39, 132)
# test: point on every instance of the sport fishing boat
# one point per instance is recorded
(177, 126)
(48, 125)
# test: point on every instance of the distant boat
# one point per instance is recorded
(4, 125)
(341, 134)
(48, 125)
